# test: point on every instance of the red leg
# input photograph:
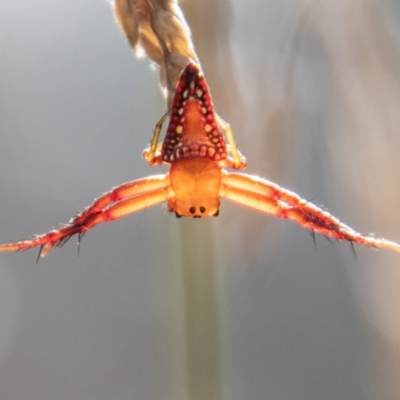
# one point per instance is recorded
(268, 197)
(128, 198)
(123, 191)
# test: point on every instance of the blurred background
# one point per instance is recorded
(311, 90)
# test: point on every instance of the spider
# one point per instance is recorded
(196, 151)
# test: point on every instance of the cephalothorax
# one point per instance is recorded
(196, 150)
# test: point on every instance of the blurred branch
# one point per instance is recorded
(157, 29)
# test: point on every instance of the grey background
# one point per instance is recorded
(76, 110)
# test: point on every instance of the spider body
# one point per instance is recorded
(196, 151)
(193, 131)
(195, 188)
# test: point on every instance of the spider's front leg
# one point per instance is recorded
(126, 199)
(153, 154)
(153, 157)
(265, 196)
(236, 159)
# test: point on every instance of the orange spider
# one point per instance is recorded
(196, 151)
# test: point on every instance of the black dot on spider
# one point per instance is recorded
(192, 210)
(202, 209)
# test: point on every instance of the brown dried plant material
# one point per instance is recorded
(157, 28)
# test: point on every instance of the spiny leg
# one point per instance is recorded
(263, 187)
(268, 197)
(136, 196)
(124, 191)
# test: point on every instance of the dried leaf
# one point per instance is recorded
(157, 29)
